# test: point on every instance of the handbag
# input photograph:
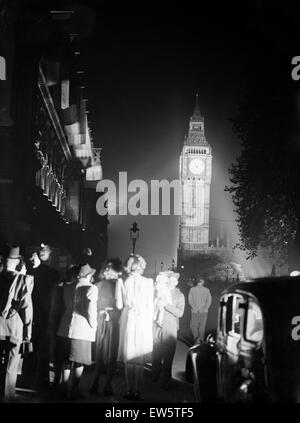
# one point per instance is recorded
(26, 348)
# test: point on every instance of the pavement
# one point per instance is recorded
(152, 392)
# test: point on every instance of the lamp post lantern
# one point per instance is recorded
(134, 235)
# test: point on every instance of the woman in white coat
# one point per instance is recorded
(135, 298)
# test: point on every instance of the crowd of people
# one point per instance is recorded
(110, 318)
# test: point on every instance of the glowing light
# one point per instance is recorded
(295, 273)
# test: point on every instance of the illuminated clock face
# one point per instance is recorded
(196, 166)
(194, 138)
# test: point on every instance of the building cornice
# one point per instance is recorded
(44, 90)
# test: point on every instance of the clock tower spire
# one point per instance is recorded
(195, 176)
(196, 127)
(197, 112)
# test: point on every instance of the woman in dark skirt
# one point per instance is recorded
(107, 336)
(77, 329)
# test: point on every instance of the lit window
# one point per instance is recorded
(234, 315)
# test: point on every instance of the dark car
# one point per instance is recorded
(254, 356)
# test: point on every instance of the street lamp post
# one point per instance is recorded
(134, 235)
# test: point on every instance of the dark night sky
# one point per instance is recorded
(143, 69)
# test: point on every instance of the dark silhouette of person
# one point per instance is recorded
(45, 279)
(107, 335)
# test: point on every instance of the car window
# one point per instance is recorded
(228, 317)
(254, 322)
(237, 314)
(234, 314)
(222, 315)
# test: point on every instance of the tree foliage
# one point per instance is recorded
(265, 178)
(212, 268)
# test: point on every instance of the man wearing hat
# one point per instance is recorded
(165, 335)
(36, 365)
(15, 319)
(87, 256)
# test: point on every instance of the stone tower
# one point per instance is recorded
(195, 169)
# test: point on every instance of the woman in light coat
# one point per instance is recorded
(135, 298)
(77, 328)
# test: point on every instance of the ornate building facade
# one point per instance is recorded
(49, 166)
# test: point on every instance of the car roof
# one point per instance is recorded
(260, 286)
(277, 296)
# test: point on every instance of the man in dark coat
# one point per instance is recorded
(15, 319)
(45, 280)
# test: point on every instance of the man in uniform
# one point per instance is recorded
(15, 319)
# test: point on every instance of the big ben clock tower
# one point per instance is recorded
(195, 176)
